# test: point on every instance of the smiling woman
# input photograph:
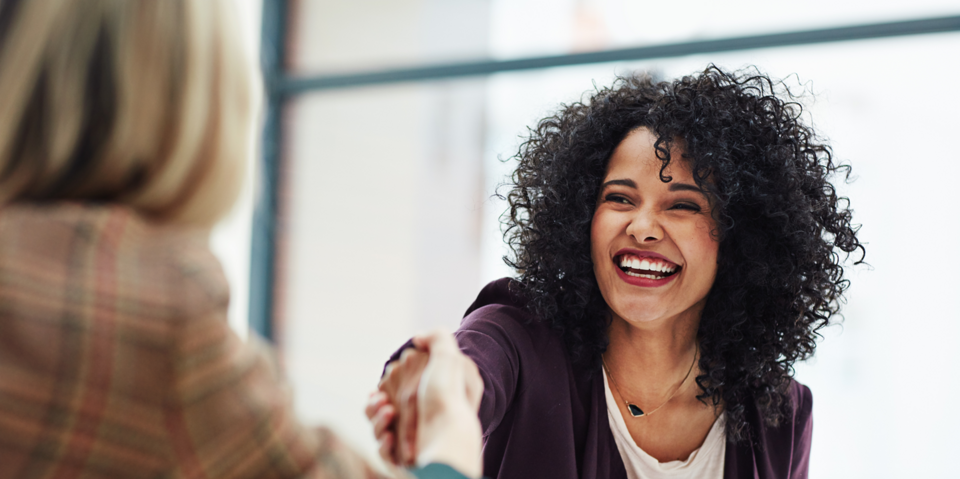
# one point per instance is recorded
(677, 246)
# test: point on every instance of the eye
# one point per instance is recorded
(616, 198)
(687, 207)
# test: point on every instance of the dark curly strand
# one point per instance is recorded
(780, 223)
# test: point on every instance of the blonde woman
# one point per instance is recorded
(123, 130)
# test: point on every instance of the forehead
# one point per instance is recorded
(636, 158)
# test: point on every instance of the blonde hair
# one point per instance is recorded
(147, 103)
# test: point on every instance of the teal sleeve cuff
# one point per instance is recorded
(437, 471)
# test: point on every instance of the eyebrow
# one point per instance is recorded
(673, 186)
(685, 187)
(623, 182)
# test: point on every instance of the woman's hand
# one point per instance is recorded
(448, 399)
(426, 409)
(393, 409)
(381, 414)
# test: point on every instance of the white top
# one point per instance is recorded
(705, 462)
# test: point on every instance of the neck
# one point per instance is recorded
(650, 357)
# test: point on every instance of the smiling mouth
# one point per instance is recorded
(645, 267)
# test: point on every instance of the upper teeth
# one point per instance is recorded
(646, 264)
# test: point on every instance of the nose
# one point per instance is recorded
(645, 227)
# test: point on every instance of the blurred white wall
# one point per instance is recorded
(383, 205)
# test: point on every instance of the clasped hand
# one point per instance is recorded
(425, 410)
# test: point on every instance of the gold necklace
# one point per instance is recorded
(635, 410)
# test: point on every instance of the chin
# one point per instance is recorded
(639, 314)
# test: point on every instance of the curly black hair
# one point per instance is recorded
(780, 223)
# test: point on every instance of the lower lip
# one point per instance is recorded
(645, 282)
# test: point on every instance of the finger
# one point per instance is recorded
(444, 345)
(386, 448)
(445, 354)
(383, 420)
(386, 373)
(407, 429)
(406, 353)
(411, 438)
(429, 340)
(374, 402)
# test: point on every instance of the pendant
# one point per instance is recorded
(635, 410)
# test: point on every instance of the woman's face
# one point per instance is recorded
(654, 254)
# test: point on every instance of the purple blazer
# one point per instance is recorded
(543, 416)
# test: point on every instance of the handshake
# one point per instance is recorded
(425, 410)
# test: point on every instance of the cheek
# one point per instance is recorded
(706, 248)
(603, 233)
(710, 260)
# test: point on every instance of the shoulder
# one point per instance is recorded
(799, 431)
(199, 283)
(499, 333)
(801, 396)
(153, 270)
(784, 450)
(801, 403)
(797, 410)
(500, 313)
(798, 413)
(781, 450)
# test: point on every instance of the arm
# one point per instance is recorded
(498, 365)
(448, 396)
(491, 337)
(228, 414)
(488, 337)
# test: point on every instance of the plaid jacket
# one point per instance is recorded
(116, 359)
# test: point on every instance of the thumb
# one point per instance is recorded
(439, 340)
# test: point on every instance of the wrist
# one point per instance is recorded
(451, 437)
(436, 470)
